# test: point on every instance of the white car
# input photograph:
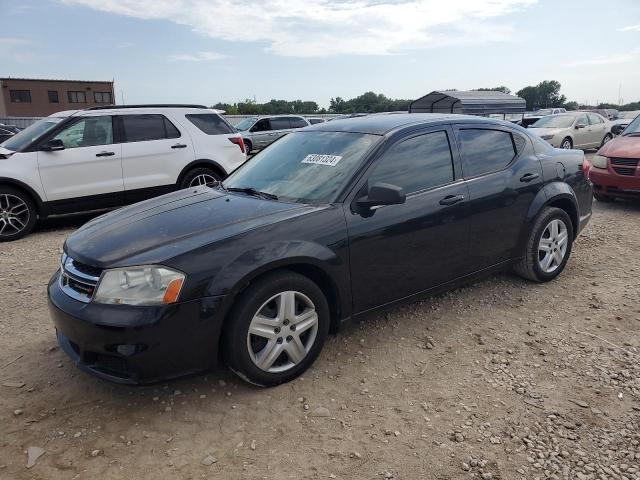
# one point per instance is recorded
(581, 130)
(105, 157)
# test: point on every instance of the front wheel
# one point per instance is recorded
(200, 176)
(549, 246)
(566, 144)
(276, 329)
(606, 139)
(17, 214)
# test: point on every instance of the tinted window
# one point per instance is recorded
(210, 123)
(20, 96)
(261, 126)
(594, 119)
(139, 128)
(87, 132)
(416, 164)
(297, 122)
(280, 123)
(485, 151)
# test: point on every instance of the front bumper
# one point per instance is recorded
(609, 183)
(134, 344)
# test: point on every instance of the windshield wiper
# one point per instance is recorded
(252, 191)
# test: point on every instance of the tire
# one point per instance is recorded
(198, 176)
(566, 144)
(604, 198)
(18, 214)
(608, 137)
(263, 359)
(531, 266)
(247, 146)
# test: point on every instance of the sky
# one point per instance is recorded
(206, 51)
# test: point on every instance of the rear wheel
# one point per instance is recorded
(567, 144)
(276, 329)
(549, 246)
(200, 176)
(17, 214)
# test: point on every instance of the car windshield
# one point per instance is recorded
(628, 115)
(554, 121)
(29, 134)
(306, 167)
(633, 128)
(245, 124)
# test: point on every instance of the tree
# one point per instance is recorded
(545, 94)
(501, 88)
(368, 102)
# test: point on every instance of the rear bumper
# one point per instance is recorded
(134, 345)
(608, 183)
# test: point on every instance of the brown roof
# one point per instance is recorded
(55, 80)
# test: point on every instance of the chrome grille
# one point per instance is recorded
(78, 280)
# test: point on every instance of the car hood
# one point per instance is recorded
(622, 146)
(546, 131)
(156, 230)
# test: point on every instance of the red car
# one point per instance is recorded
(615, 168)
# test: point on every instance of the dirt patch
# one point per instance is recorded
(503, 379)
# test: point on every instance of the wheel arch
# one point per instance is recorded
(202, 162)
(39, 203)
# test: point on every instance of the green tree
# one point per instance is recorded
(545, 94)
(501, 88)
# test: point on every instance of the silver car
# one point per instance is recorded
(581, 130)
(260, 131)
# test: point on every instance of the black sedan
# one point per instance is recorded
(328, 224)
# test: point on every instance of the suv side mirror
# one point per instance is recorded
(617, 129)
(53, 145)
(382, 194)
(580, 125)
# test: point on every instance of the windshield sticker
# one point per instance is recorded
(318, 159)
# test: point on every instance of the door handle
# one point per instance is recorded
(527, 177)
(105, 154)
(451, 199)
(179, 145)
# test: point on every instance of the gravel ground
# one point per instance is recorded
(503, 379)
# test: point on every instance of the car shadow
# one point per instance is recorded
(74, 220)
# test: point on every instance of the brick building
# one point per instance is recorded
(30, 97)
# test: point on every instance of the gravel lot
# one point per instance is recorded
(502, 379)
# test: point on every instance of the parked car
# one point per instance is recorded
(624, 119)
(328, 224)
(543, 112)
(7, 131)
(574, 130)
(530, 118)
(260, 131)
(104, 157)
(314, 121)
(615, 168)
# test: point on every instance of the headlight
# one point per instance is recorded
(144, 285)
(599, 161)
(546, 137)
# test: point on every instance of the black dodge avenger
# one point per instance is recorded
(327, 224)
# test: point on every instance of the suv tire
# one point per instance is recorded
(247, 146)
(290, 317)
(18, 214)
(548, 247)
(200, 176)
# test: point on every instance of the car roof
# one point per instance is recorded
(383, 123)
(136, 109)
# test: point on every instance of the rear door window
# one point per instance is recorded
(297, 122)
(485, 150)
(210, 123)
(280, 123)
(416, 164)
(141, 128)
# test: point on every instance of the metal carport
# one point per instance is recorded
(472, 102)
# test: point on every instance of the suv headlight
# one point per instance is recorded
(143, 285)
(599, 161)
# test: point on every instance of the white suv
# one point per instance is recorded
(105, 157)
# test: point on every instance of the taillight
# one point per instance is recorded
(238, 141)
(586, 166)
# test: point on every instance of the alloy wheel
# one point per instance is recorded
(203, 179)
(282, 332)
(552, 246)
(14, 215)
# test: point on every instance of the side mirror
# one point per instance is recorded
(382, 194)
(580, 125)
(53, 145)
(617, 129)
